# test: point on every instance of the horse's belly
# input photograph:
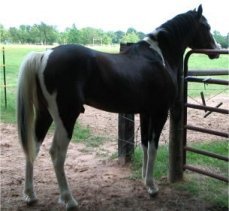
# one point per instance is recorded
(128, 105)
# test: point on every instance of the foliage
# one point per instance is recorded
(36, 34)
(47, 34)
(222, 40)
(131, 37)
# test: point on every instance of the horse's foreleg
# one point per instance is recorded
(149, 152)
(155, 128)
(144, 120)
(144, 161)
(58, 153)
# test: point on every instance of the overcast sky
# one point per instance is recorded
(143, 15)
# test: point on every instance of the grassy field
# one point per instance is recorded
(206, 188)
(202, 62)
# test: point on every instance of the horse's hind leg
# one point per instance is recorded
(42, 123)
(64, 122)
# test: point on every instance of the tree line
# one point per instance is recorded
(47, 34)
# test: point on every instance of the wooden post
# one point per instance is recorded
(125, 137)
(125, 129)
(4, 75)
(176, 133)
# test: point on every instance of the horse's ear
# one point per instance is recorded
(200, 11)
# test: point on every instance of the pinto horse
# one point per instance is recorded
(56, 84)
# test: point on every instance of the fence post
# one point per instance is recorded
(125, 129)
(176, 133)
(4, 75)
(125, 137)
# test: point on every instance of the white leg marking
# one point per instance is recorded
(150, 183)
(29, 195)
(58, 153)
(144, 162)
(60, 141)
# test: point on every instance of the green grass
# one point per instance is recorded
(161, 163)
(205, 188)
(84, 135)
(202, 62)
(14, 55)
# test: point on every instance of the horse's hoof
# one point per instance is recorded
(153, 191)
(30, 200)
(72, 209)
(71, 205)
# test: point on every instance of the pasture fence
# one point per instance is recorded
(193, 76)
(4, 75)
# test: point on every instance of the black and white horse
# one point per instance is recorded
(56, 84)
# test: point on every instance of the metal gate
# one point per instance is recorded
(190, 76)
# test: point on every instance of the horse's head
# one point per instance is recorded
(202, 35)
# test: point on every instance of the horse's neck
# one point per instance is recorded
(173, 43)
(174, 58)
(173, 51)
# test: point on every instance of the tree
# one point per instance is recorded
(73, 35)
(118, 35)
(141, 35)
(107, 40)
(48, 34)
(131, 30)
(222, 40)
(130, 38)
(89, 34)
(14, 35)
(3, 34)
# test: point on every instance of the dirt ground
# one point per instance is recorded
(97, 182)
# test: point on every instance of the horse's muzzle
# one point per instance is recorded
(213, 55)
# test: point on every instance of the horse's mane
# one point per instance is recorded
(171, 32)
(180, 24)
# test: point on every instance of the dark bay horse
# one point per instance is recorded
(56, 84)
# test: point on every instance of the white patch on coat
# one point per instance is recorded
(154, 45)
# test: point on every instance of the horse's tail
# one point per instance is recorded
(27, 103)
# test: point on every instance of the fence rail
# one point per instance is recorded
(207, 80)
(189, 77)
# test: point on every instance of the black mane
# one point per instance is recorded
(176, 34)
(180, 24)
